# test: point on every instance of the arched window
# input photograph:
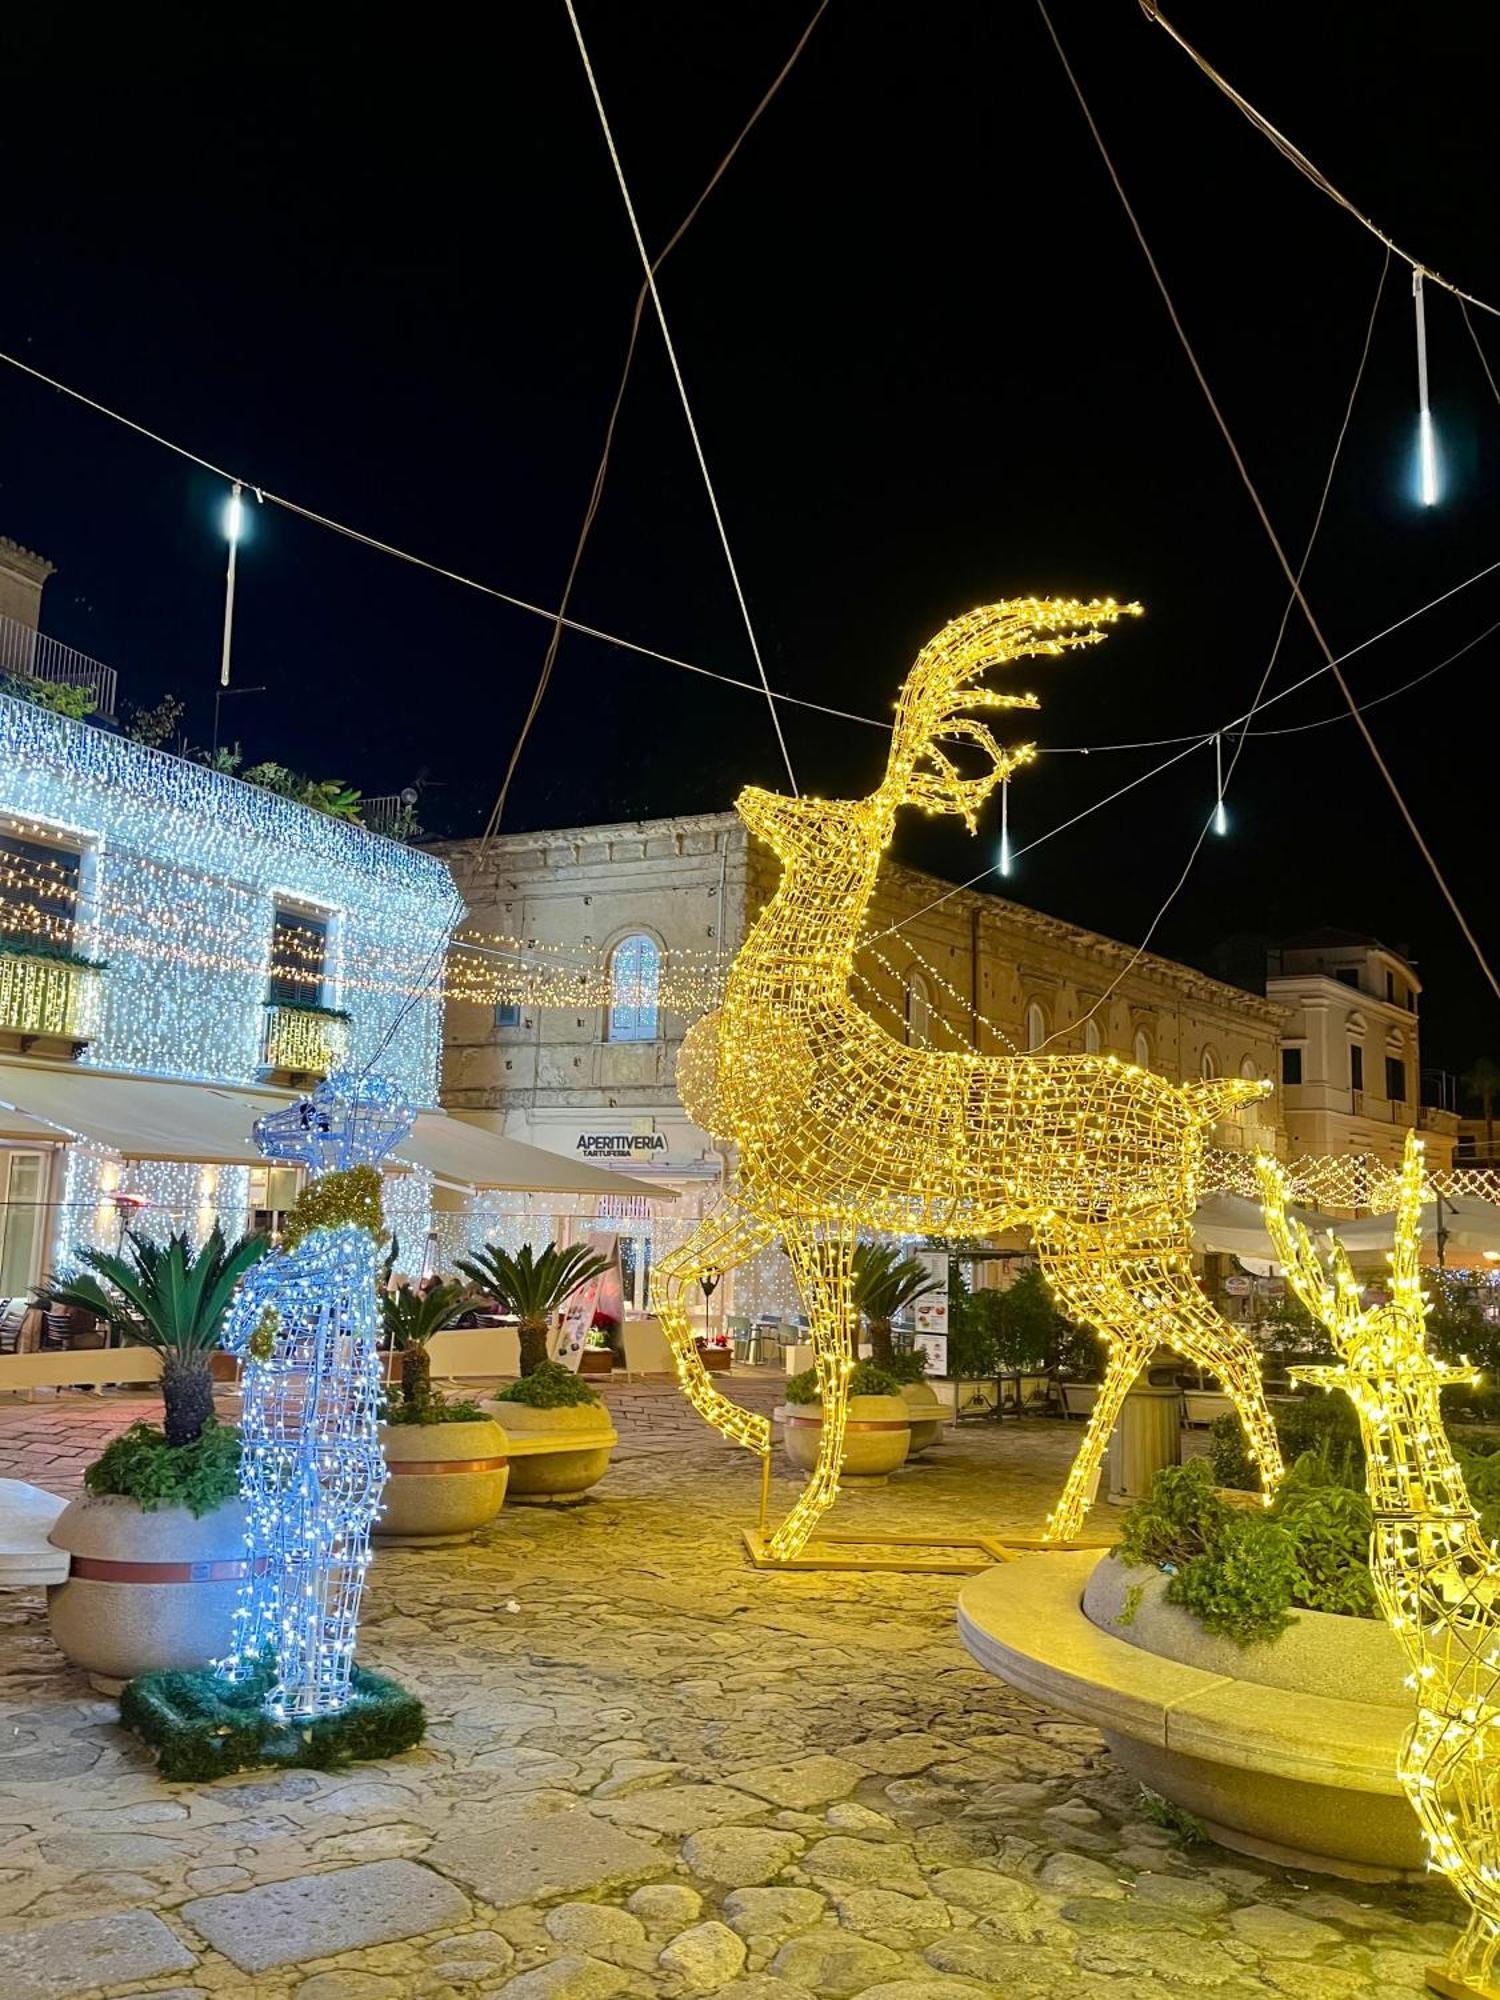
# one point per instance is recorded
(1091, 1037)
(1209, 1066)
(1250, 1070)
(1142, 1051)
(1036, 1027)
(918, 1011)
(634, 972)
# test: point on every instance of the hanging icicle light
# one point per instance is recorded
(1221, 817)
(1004, 863)
(1427, 470)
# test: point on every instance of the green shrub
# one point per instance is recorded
(865, 1380)
(1329, 1528)
(548, 1387)
(432, 1408)
(142, 1466)
(908, 1364)
(1320, 1421)
(1472, 1403)
(62, 697)
(1180, 1518)
(1241, 1587)
(1229, 1454)
(1481, 1471)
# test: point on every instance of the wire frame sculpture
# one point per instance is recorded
(842, 1129)
(1436, 1577)
(312, 1470)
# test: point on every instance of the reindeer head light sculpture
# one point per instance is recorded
(839, 1128)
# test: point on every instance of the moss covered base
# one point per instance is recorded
(202, 1728)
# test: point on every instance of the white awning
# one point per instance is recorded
(470, 1156)
(1234, 1223)
(138, 1117)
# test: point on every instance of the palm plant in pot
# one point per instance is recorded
(157, 1537)
(886, 1281)
(446, 1460)
(562, 1429)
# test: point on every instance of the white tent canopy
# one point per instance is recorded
(1234, 1223)
(468, 1156)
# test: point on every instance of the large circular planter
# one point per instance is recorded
(555, 1455)
(927, 1410)
(145, 1590)
(446, 1480)
(1286, 1751)
(877, 1436)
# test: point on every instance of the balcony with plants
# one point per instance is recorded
(303, 1038)
(49, 993)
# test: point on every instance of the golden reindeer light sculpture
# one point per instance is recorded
(1435, 1575)
(841, 1128)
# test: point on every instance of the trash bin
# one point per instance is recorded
(1147, 1437)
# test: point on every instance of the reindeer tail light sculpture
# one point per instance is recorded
(839, 1128)
(1436, 1577)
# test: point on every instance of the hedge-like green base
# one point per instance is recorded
(202, 1728)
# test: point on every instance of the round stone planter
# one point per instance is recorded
(1286, 1751)
(555, 1455)
(446, 1480)
(877, 1436)
(145, 1590)
(926, 1409)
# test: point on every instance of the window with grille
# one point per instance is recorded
(299, 958)
(634, 976)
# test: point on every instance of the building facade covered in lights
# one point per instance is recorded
(180, 951)
(659, 907)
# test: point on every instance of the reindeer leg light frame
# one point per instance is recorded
(1436, 1577)
(841, 1130)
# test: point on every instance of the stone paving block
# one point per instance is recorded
(57, 1960)
(319, 1916)
(547, 1845)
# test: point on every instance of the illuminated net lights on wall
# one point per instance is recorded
(1436, 1576)
(305, 1322)
(842, 1128)
(179, 876)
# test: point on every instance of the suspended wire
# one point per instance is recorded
(1292, 577)
(1302, 163)
(1327, 721)
(601, 472)
(687, 408)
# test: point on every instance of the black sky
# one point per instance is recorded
(388, 273)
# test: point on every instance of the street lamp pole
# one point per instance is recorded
(232, 528)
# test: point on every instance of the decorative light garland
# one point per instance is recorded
(312, 1470)
(1436, 1577)
(841, 1128)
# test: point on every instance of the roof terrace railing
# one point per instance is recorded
(32, 655)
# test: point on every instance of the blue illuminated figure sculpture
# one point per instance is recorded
(312, 1469)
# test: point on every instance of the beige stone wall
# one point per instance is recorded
(22, 574)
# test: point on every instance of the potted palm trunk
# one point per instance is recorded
(559, 1432)
(157, 1539)
(447, 1460)
(885, 1283)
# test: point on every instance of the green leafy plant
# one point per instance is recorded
(311, 1007)
(1180, 1518)
(143, 1466)
(1314, 1421)
(430, 1408)
(1032, 1331)
(1329, 1526)
(864, 1380)
(153, 726)
(1177, 1820)
(885, 1281)
(1241, 1586)
(974, 1320)
(549, 1386)
(171, 1298)
(1481, 1470)
(61, 697)
(21, 944)
(910, 1365)
(532, 1287)
(409, 1318)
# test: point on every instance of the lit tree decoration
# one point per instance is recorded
(841, 1128)
(312, 1469)
(1435, 1575)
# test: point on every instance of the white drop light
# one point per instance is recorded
(234, 516)
(1427, 471)
(1221, 817)
(1004, 864)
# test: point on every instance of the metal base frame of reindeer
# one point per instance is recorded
(840, 1128)
(1436, 1577)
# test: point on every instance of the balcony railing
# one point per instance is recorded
(48, 996)
(33, 656)
(304, 1041)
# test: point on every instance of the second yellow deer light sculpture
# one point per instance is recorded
(840, 1128)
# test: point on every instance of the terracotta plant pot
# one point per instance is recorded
(877, 1436)
(446, 1480)
(596, 1361)
(145, 1590)
(555, 1455)
(927, 1410)
(715, 1359)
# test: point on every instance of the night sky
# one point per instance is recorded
(388, 274)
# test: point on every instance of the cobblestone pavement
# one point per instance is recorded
(652, 1771)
